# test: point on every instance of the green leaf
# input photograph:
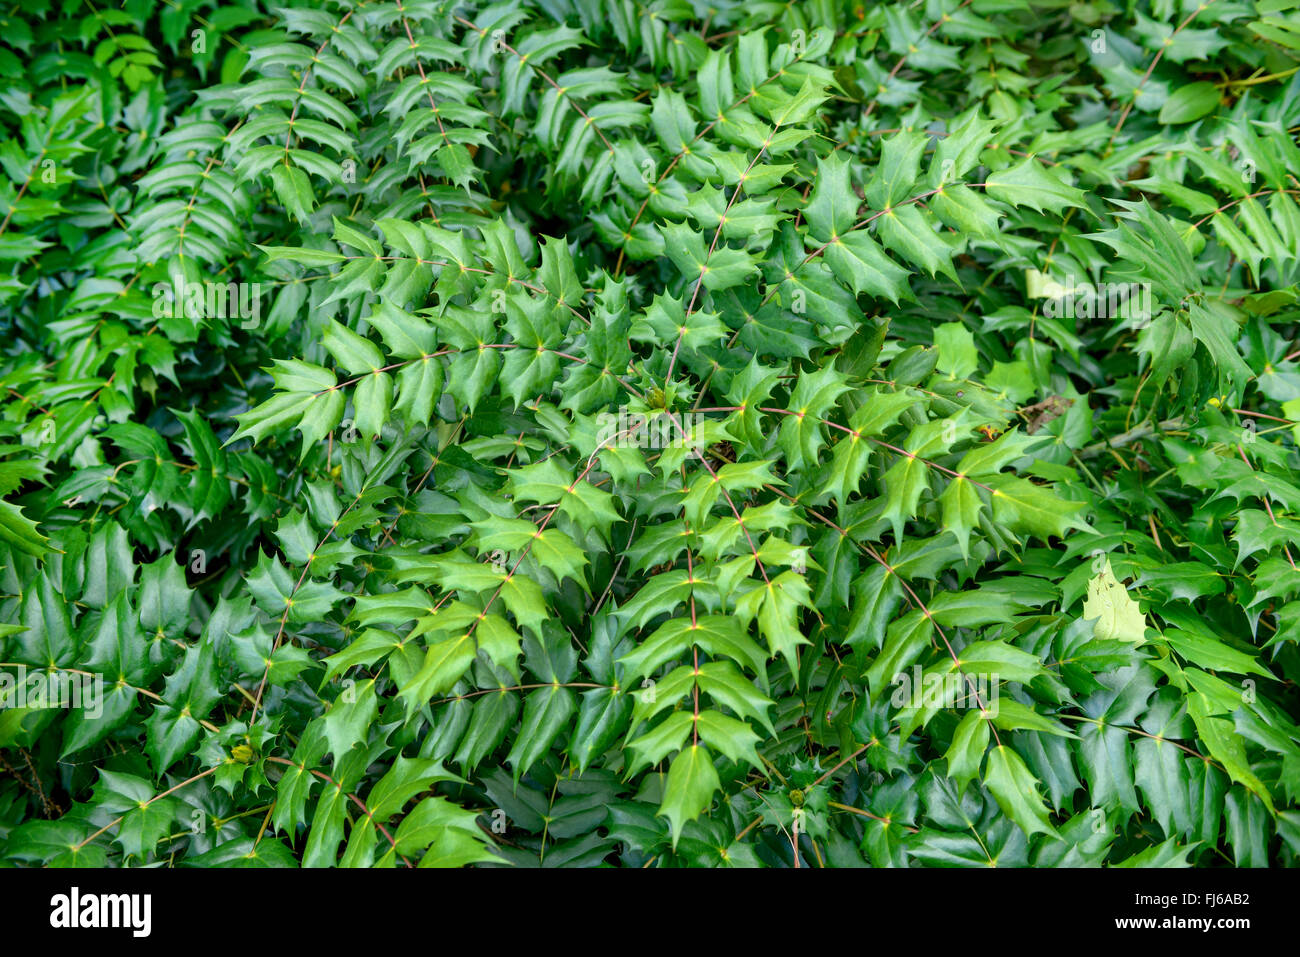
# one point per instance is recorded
(1190, 102)
(1030, 509)
(293, 188)
(18, 531)
(904, 230)
(966, 753)
(832, 209)
(546, 713)
(858, 260)
(1016, 791)
(1029, 183)
(688, 792)
(1226, 748)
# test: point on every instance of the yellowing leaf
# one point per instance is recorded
(1118, 616)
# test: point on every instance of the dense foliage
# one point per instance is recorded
(579, 432)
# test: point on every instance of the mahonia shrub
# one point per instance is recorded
(673, 434)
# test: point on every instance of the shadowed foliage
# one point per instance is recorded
(577, 432)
